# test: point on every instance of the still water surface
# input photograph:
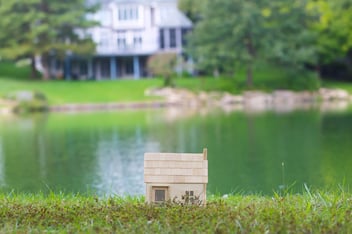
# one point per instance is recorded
(102, 153)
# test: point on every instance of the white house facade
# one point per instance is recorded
(129, 32)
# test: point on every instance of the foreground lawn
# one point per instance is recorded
(307, 213)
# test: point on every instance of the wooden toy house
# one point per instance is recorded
(177, 177)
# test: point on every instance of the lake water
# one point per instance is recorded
(102, 153)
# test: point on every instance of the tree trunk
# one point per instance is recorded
(46, 70)
(250, 75)
(252, 52)
(216, 73)
(318, 70)
(33, 69)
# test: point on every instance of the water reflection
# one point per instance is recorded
(120, 162)
(102, 153)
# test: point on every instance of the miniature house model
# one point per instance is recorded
(176, 177)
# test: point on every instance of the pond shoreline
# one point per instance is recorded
(82, 107)
(279, 100)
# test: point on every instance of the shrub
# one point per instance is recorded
(28, 101)
(163, 64)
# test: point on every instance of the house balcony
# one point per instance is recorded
(125, 50)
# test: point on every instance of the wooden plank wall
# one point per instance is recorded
(175, 168)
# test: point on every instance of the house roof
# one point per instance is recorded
(170, 15)
(173, 17)
(175, 168)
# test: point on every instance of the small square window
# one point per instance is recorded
(190, 193)
(159, 195)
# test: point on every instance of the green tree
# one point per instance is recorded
(40, 28)
(333, 27)
(192, 8)
(163, 64)
(236, 33)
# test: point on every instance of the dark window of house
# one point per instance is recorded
(83, 68)
(128, 13)
(120, 14)
(184, 33)
(190, 193)
(161, 39)
(152, 16)
(132, 14)
(105, 68)
(124, 14)
(121, 43)
(129, 66)
(159, 195)
(137, 42)
(173, 38)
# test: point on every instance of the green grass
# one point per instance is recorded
(318, 212)
(13, 78)
(13, 71)
(338, 85)
(61, 92)
(266, 78)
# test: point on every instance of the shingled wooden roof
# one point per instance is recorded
(177, 168)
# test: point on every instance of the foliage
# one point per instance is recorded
(334, 28)
(163, 64)
(312, 212)
(27, 102)
(44, 28)
(276, 31)
(192, 8)
(16, 72)
(268, 78)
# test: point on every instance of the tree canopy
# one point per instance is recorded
(236, 33)
(192, 8)
(333, 27)
(40, 27)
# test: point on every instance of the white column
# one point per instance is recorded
(136, 67)
(113, 69)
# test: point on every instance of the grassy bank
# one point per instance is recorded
(308, 213)
(338, 85)
(13, 78)
(61, 92)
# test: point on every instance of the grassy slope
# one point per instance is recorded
(338, 85)
(14, 78)
(60, 92)
(307, 213)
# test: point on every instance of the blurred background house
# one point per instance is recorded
(129, 32)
